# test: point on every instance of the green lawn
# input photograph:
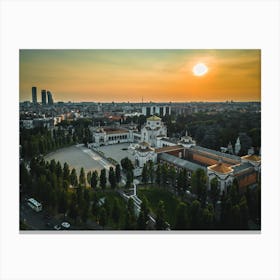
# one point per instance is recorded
(154, 194)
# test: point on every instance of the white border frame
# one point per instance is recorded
(155, 24)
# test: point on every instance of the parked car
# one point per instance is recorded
(65, 225)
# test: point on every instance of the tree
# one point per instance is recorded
(118, 173)
(85, 211)
(143, 217)
(181, 217)
(94, 179)
(66, 172)
(65, 184)
(172, 175)
(161, 224)
(73, 209)
(95, 205)
(58, 170)
(53, 166)
(195, 215)
(112, 178)
(236, 217)
(208, 217)
(199, 185)
(103, 218)
(73, 178)
(151, 171)
(116, 211)
(255, 134)
(79, 192)
(89, 177)
(62, 202)
(233, 193)
(82, 177)
(86, 196)
(226, 211)
(158, 174)
(214, 191)
(130, 218)
(126, 164)
(145, 174)
(164, 174)
(103, 179)
(25, 179)
(244, 213)
(129, 179)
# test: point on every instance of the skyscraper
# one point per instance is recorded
(34, 95)
(50, 99)
(44, 97)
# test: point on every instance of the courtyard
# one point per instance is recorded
(117, 152)
(79, 156)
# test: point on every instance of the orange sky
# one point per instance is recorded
(129, 75)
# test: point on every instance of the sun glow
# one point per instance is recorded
(200, 69)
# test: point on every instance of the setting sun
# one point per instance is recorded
(136, 75)
(200, 69)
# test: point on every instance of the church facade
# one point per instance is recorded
(152, 130)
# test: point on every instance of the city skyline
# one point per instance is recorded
(136, 75)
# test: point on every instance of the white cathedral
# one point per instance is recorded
(154, 140)
(153, 130)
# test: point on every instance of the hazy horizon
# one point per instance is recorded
(151, 102)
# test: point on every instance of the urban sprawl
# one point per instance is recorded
(139, 166)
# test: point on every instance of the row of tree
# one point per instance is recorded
(165, 176)
(219, 130)
(42, 140)
(236, 208)
(47, 181)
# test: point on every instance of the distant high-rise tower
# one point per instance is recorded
(34, 95)
(44, 97)
(50, 99)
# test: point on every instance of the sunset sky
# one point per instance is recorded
(129, 75)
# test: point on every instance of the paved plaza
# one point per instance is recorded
(117, 151)
(79, 156)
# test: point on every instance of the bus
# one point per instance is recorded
(34, 204)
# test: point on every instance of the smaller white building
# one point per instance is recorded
(187, 141)
(223, 172)
(144, 153)
(109, 136)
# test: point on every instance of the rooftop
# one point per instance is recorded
(180, 162)
(216, 153)
(169, 140)
(109, 130)
(145, 144)
(241, 167)
(169, 149)
(144, 147)
(153, 118)
(221, 168)
(252, 157)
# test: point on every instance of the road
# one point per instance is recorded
(38, 221)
